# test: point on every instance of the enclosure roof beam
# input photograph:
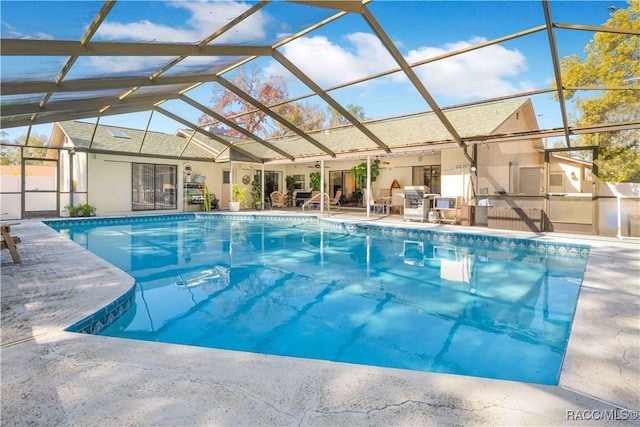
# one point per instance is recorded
(30, 47)
(207, 133)
(227, 85)
(234, 126)
(87, 104)
(328, 99)
(413, 77)
(19, 88)
(346, 6)
(556, 70)
(596, 29)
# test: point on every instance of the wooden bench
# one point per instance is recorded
(9, 242)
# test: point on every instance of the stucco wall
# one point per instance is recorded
(499, 165)
(110, 182)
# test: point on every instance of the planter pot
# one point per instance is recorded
(234, 206)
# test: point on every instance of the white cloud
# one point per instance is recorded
(206, 18)
(328, 63)
(145, 31)
(485, 72)
(121, 65)
(12, 33)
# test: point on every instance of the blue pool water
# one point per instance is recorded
(419, 300)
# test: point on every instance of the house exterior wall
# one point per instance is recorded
(573, 177)
(110, 182)
(499, 163)
(455, 175)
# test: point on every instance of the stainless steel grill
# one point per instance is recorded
(415, 192)
(416, 202)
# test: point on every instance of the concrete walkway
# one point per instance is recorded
(56, 378)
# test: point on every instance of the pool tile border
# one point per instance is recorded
(104, 317)
(533, 245)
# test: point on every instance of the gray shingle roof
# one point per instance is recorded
(418, 130)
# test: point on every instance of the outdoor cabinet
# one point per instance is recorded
(468, 215)
(528, 219)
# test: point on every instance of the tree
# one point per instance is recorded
(612, 59)
(359, 172)
(314, 181)
(12, 155)
(272, 92)
(267, 90)
(337, 119)
(304, 116)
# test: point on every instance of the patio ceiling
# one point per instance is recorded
(46, 80)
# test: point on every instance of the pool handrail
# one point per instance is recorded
(322, 199)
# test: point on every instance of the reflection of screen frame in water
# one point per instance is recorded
(413, 252)
(445, 252)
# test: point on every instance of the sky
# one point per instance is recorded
(336, 53)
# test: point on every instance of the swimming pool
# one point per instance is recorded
(356, 293)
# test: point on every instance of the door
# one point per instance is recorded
(226, 189)
(570, 206)
(345, 182)
(40, 183)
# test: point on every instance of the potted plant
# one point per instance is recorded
(291, 185)
(359, 172)
(256, 191)
(238, 198)
(314, 181)
(81, 210)
(87, 210)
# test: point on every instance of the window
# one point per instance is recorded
(530, 180)
(427, 175)
(153, 187)
(555, 180)
(299, 182)
(116, 133)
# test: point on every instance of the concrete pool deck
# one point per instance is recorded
(52, 377)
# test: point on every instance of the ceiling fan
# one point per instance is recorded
(317, 166)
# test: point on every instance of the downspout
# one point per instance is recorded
(262, 189)
(368, 203)
(322, 185)
(230, 176)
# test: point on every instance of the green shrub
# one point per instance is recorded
(81, 210)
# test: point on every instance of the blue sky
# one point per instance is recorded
(336, 53)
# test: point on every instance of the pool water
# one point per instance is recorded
(347, 294)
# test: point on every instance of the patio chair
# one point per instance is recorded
(335, 202)
(278, 199)
(397, 200)
(214, 202)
